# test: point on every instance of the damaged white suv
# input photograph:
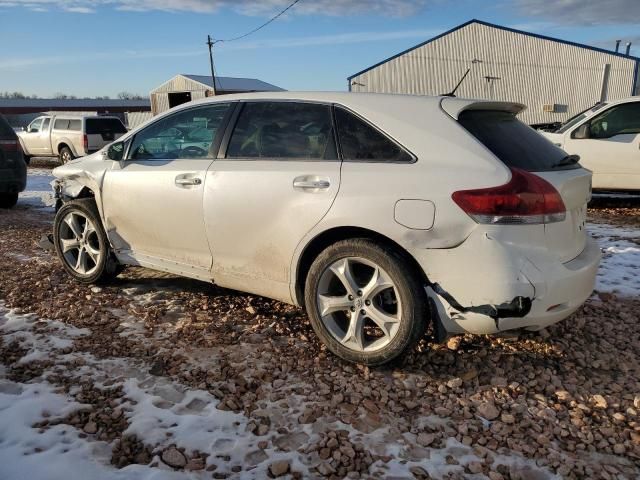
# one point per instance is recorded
(377, 213)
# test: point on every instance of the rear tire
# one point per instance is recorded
(81, 243)
(365, 302)
(66, 155)
(8, 200)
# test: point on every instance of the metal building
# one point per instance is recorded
(185, 88)
(554, 78)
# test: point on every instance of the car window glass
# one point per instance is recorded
(104, 125)
(61, 124)
(186, 134)
(75, 125)
(361, 141)
(45, 124)
(618, 120)
(283, 130)
(35, 125)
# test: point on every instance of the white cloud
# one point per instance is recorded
(396, 8)
(582, 12)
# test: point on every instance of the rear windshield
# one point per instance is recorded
(513, 142)
(104, 125)
(5, 129)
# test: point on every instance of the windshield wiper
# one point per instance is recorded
(567, 160)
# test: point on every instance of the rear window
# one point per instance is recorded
(5, 129)
(104, 125)
(514, 143)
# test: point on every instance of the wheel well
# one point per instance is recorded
(329, 237)
(61, 146)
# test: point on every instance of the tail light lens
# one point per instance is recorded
(10, 145)
(525, 199)
(85, 141)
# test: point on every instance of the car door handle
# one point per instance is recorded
(181, 181)
(306, 184)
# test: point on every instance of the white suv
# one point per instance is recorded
(607, 140)
(377, 213)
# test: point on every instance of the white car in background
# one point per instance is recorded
(607, 140)
(377, 213)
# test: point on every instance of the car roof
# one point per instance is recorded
(6, 132)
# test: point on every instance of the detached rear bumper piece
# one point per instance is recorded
(521, 294)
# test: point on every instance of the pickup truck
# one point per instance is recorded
(68, 137)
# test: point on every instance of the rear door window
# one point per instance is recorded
(104, 125)
(283, 130)
(514, 143)
(361, 141)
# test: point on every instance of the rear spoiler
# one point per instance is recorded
(455, 106)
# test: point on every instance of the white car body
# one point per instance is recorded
(613, 159)
(250, 225)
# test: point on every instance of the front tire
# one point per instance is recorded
(8, 200)
(81, 243)
(365, 302)
(66, 155)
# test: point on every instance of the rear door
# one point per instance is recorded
(276, 177)
(153, 200)
(101, 131)
(519, 146)
(612, 151)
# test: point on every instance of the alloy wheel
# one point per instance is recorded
(80, 243)
(359, 304)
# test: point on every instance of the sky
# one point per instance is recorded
(102, 47)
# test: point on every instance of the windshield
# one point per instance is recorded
(513, 142)
(579, 117)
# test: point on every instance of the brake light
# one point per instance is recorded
(10, 145)
(525, 199)
(85, 141)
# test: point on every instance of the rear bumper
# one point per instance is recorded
(506, 272)
(13, 180)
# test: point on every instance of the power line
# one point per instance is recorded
(272, 19)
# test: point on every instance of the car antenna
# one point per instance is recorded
(452, 93)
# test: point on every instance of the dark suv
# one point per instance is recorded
(13, 169)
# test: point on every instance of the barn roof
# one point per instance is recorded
(500, 27)
(235, 84)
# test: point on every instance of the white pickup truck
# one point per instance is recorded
(68, 137)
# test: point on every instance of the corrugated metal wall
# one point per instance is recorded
(531, 70)
(134, 119)
(160, 95)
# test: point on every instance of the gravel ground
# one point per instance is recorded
(154, 376)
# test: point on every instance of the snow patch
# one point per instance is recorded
(619, 270)
(38, 193)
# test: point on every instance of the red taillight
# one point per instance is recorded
(525, 199)
(85, 141)
(10, 145)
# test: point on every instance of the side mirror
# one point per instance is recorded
(582, 132)
(116, 151)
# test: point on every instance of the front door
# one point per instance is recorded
(152, 201)
(612, 150)
(37, 137)
(277, 180)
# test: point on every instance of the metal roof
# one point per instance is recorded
(500, 27)
(72, 103)
(235, 84)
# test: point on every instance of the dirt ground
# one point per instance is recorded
(154, 373)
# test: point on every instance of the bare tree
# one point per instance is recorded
(129, 96)
(64, 96)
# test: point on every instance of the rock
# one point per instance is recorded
(195, 464)
(425, 439)
(90, 428)
(251, 310)
(325, 469)
(96, 289)
(488, 411)
(508, 418)
(499, 382)
(563, 395)
(454, 383)
(469, 375)
(599, 402)
(174, 457)
(454, 343)
(495, 476)
(618, 449)
(279, 468)
(475, 467)
(636, 401)
(419, 472)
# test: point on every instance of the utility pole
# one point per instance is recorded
(210, 42)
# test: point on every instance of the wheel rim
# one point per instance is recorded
(66, 156)
(359, 304)
(79, 243)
